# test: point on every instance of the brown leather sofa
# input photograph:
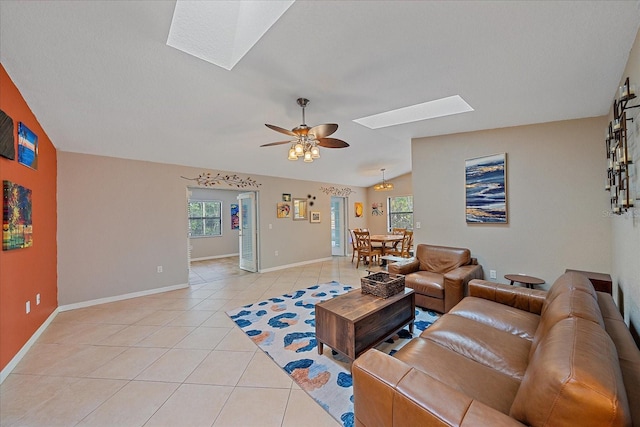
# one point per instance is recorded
(439, 275)
(509, 356)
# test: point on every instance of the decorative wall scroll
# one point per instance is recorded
(206, 179)
(335, 191)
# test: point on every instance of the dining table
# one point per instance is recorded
(385, 239)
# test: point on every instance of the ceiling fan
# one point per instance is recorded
(307, 141)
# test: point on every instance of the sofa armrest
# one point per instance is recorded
(388, 392)
(530, 300)
(404, 268)
(455, 282)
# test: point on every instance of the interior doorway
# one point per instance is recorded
(213, 255)
(248, 236)
(338, 226)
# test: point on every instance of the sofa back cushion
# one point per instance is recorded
(573, 303)
(441, 259)
(569, 282)
(573, 379)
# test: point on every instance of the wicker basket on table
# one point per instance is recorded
(382, 284)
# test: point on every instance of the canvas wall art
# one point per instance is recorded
(17, 229)
(358, 209)
(7, 142)
(486, 189)
(27, 147)
(284, 210)
(235, 219)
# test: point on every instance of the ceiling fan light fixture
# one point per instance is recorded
(315, 152)
(307, 157)
(307, 140)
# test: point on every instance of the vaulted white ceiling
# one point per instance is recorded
(101, 79)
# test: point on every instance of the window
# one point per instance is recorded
(400, 212)
(204, 218)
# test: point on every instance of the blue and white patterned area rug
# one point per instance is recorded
(284, 328)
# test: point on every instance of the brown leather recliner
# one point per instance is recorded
(439, 275)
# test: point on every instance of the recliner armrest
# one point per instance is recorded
(455, 282)
(388, 392)
(530, 300)
(404, 268)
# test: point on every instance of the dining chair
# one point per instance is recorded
(404, 252)
(365, 251)
(397, 231)
(354, 247)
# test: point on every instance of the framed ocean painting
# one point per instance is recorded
(486, 189)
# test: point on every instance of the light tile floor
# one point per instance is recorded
(170, 359)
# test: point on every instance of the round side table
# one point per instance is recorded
(528, 281)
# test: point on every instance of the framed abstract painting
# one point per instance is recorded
(235, 219)
(17, 229)
(27, 147)
(486, 189)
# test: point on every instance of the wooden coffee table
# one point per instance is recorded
(354, 322)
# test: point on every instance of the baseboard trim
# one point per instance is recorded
(26, 347)
(297, 264)
(214, 257)
(98, 301)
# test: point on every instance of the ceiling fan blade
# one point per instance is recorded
(275, 143)
(281, 130)
(332, 143)
(321, 131)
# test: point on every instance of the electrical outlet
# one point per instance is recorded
(417, 224)
(28, 307)
(37, 299)
(276, 253)
(492, 274)
(159, 269)
(270, 226)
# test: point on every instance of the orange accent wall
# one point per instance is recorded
(27, 272)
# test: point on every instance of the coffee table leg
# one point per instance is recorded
(320, 347)
(411, 328)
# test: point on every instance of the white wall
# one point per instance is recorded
(119, 219)
(556, 200)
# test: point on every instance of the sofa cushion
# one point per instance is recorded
(569, 282)
(499, 316)
(426, 283)
(574, 372)
(499, 350)
(572, 303)
(479, 382)
(440, 259)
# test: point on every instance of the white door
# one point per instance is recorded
(248, 232)
(338, 228)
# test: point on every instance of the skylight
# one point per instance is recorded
(427, 110)
(222, 32)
